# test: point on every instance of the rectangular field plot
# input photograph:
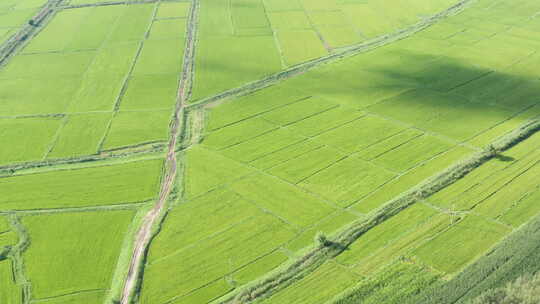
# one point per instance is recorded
(524, 210)
(122, 183)
(339, 36)
(160, 57)
(213, 258)
(286, 154)
(197, 219)
(347, 181)
(168, 29)
(207, 170)
(151, 92)
(251, 105)
(461, 244)
(389, 144)
(93, 237)
(307, 164)
(325, 121)
(283, 5)
(247, 14)
(133, 128)
(80, 135)
(386, 233)
(47, 65)
(173, 10)
(26, 139)
(243, 59)
(413, 152)
(367, 20)
(289, 20)
(261, 146)
(237, 133)
(300, 45)
(360, 134)
(298, 111)
(102, 84)
(318, 287)
(283, 199)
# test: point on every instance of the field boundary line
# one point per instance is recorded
(345, 53)
(103, 208)
(127, 78)
(109, 3)
(45, 300)
(151, 223)
(318, 255)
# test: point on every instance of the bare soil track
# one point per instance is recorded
(144, 235)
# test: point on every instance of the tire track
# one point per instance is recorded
(144, 235)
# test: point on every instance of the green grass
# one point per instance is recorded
(94, 186)
(248, 14)
(282, 5)
(48, 65)
(131, 128)
(300, 45)
(150, 92)
(212, 258)
(347, 181)
(389, 144)
(80, 135)
(94, 238)
(283, 199)
(26, 139)
(132, 25)
(318, 287)
(325, 121)
(337, 36)
(466, 241)
(523, 211)
(204, 173)
(204, 294)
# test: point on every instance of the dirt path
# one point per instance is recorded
(144, 235)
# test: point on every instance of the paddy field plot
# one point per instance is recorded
(296, 118)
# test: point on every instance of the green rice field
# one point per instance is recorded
(267, 151)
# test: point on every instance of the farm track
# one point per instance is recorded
(177, 127)
(340, 55)
(9, 47)
(314, 258)
(108, 4)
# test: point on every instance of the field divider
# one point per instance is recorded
(125, 206)
(344, 53)
(288, 274)
(108, 3)
(171, 189)
(16, 256)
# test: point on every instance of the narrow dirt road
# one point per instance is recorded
(144, 235)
